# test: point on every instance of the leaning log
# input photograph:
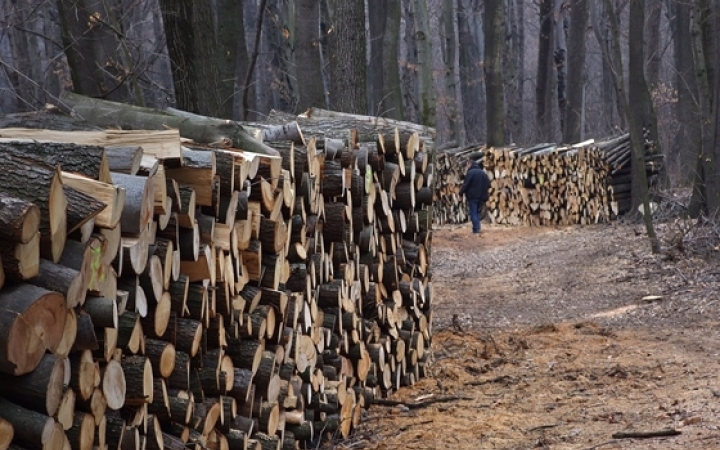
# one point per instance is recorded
(203, 130)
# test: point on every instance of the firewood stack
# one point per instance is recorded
(160, 294)
(547, 184)
(617, 153)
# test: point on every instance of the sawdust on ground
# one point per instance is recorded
(566, 336)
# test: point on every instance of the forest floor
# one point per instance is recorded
(568, 335)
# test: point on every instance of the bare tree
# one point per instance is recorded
(426, 86)
(576, 71)
(545, 84)
(306, 54)
(494, 82)
(192, 45)
(613, 55)
(392, 101)
(472, 45)
(346, 50)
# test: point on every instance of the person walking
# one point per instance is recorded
(475, 188)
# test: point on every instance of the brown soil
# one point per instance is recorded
(560, 345)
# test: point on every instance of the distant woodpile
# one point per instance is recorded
(547, 184)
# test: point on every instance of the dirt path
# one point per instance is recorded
(561, 347)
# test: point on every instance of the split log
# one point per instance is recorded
(24, 180)
(112, 196)
(20, 261)
(19, 219)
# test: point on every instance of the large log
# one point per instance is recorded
(86, 160)
(161, 144)
(40, 390)
(32, 429)
(43, 187)
(204, 130)
(32, 320)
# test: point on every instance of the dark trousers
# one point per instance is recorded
(475, 207)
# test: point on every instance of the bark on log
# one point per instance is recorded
(32, 429)
(41, 390)
(19, 219)
(139, 202)
(85, 160)
(205, 130)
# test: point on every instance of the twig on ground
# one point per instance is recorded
(645, 434)
(422, 404)
(542, 427)
(500, 379)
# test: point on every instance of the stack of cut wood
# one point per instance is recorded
(547, 184)
(163, 294)
(617, 153)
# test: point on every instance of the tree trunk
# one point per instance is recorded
(377, 17)
(471, 45)
(494, 90)
(454, 101)
(426, 90)
(347, 56)
(686, 144)
(91, 47)
(560, 58)
(190, 37)
(576, 71)
(545, 86)
(232, 54)
(306, 54)
(392, 95)
(613, 56)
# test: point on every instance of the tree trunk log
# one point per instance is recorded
(200, 129)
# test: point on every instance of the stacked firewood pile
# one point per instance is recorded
(159, 293)
(547, 184)
(617, 154)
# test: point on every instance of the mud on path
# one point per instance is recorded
(559, 346)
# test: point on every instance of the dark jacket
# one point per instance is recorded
(476, 184)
